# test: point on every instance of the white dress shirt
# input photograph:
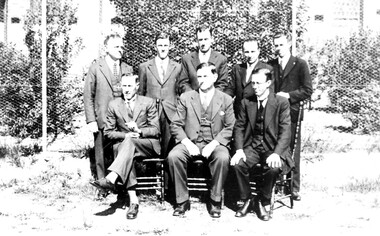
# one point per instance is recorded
(204, 57)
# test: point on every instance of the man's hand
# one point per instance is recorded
(238, 155)
(274, 161)
(191, 147)
(209, 148)
(283, 94)
(133, 127)
(132, 135)
(93, 127)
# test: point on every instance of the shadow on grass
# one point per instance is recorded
(121, 203)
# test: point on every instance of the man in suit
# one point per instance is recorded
(240, 83)
(202, 128)
(188, 78)
(102, 84)
(158, 79)
(262, 136)
(133, 121)
(292, 80)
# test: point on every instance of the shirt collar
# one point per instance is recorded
(111, 62)
(159, 61)
(204, 57)
(207, 95)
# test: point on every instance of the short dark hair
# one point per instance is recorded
(202, 28)
(251, 39)
(113, 35)
(207, 64)
(162, 35)
(283, 34)
(265, 71)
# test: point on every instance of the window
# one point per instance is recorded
(318, 17)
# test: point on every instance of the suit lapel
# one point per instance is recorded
(252, 113)
(123, 110)
(195, 103)
(216, 103)
(106, 71)
(137, 108)
(213, 57)
(243, 74)
(169, 71)
(153, 68)
(269, 110)
(195, 59)
(289, 66)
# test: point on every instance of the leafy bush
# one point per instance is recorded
(19, 100)
(350, 73)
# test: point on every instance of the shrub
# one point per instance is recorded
(350, 73)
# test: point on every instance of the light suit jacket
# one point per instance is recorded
(144, 114)
(187, 122)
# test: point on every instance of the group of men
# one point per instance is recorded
(196, 110)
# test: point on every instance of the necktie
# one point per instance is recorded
(261, 108)
(130, 114)
(115, 70)
(204, 103)
(163, 72)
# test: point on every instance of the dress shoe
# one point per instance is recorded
(182, 208)
(296, 196)
(214, 209)
(262, 213)
(244, 209)
(132, 211)
(103, 184)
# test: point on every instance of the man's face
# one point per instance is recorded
(204, 41)
(129, 86)
(259, 83)
(206, 78)
(162, 47)
(281, 46)
(114, 48)
(251, 52)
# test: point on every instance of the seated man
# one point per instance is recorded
(133, 120)
(202, 128)
(262, 136)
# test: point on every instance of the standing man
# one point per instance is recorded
(188, 78)
(262, 136)
(240, 83)
(202, 128)
(131, 120)
(102, 84)
(158, 79)
(291, 80)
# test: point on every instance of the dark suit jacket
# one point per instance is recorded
(98, 90)
(186, 123)
(144, 114)
(151, 85)
(188, 79)
(238, 87)
(295, 80)
(277, 126)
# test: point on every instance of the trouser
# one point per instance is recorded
(103, 152)
(297, 157)
(123, 165)
(269, 175)
(218, 163)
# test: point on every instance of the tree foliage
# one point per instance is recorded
(350, 72)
